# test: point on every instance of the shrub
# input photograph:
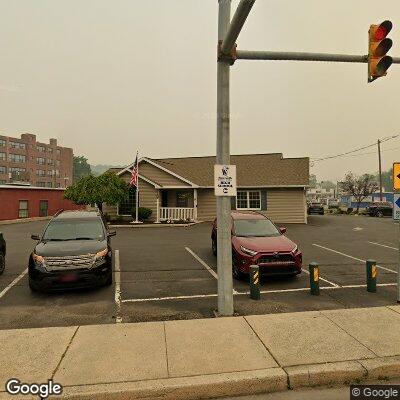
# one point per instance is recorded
(143, 213)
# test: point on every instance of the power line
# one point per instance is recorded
(353, 151)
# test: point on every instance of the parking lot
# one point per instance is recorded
(170, 273)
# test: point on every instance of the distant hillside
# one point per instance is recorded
(98, 169)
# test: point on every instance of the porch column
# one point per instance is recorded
(158, 207)
(195, 204)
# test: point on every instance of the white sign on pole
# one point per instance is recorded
(225, 180)
(396, 207)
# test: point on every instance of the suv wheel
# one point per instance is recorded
(379, 214)
(237, 273)
(32, 286)
(2, 263)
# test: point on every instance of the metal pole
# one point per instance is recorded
(137, 188)
(380, 170)
(299, 56)
(224, 249)
(398, 270)
(236, 25)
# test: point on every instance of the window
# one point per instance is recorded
(17, 145)
(17, 170)
(58, 163)
(58, 152)
(17, 158)
(2, 156)
(57, 173)
(23, 209)
(3, 170)
(49, 184)
(127, 207)
(50, 150)
(41, 184)
(2, 182)
(89, 229)
(43, 208)
(2, 143)
(50, 172)
(41, 149)
(248, 200)
(182, 199)
(40, 161)
(40, 172)
(50, 161)
(255, 227)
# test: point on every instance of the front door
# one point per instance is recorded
(182, 199)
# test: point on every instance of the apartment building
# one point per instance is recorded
(25, 160)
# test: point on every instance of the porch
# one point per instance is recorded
(177, 205)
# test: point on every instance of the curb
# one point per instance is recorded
(24, 220)
(155, 225)
(188, 388)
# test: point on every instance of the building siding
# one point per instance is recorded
(283, 205)
(286, 205)
(10, 197)
(206, 205)
(159, 176)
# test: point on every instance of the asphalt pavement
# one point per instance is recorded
(169, 273)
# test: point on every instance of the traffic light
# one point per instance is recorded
(378, 61)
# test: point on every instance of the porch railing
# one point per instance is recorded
(176, 213)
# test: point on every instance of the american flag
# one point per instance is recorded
(134, 176)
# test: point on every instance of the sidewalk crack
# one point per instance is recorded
(166, 349)
(65, 352)
(269, 352)
(344, 330)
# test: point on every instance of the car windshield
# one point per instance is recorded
(255, 227)
(74, 230)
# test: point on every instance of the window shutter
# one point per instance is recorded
(263, 200)
(233, 203)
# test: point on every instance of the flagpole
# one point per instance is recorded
(137, 188)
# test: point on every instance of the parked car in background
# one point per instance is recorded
(315, 208)
(2, 253)
(256, 240)
(380, 209)
(333, 204)
(74, 251)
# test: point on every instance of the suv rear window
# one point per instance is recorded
(74, 230)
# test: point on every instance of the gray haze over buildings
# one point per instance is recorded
(110, 77)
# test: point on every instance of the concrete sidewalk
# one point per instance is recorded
(198, 359)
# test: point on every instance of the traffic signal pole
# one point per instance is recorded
(228, 33)
(224, 249)
(380, 170)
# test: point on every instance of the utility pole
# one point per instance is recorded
(380, 170)
(228, 32)
(224, 248)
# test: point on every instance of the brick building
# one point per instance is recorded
(40, 164)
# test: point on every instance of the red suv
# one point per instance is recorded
(256, 240)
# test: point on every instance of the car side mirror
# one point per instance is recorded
(35, 237)
(283, 230)
(111, 233)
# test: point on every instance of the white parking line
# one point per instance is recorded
(354, 258)
(118, 318)
(321, 279)
(200, 296)
(205, 265)
(383, 245)
(13, 283)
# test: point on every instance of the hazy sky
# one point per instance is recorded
(110, 77)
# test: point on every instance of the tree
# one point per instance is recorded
(313, 181)
(95, 190)
(81, 167)
(328, 185)
(359, 186)
(387, 180)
